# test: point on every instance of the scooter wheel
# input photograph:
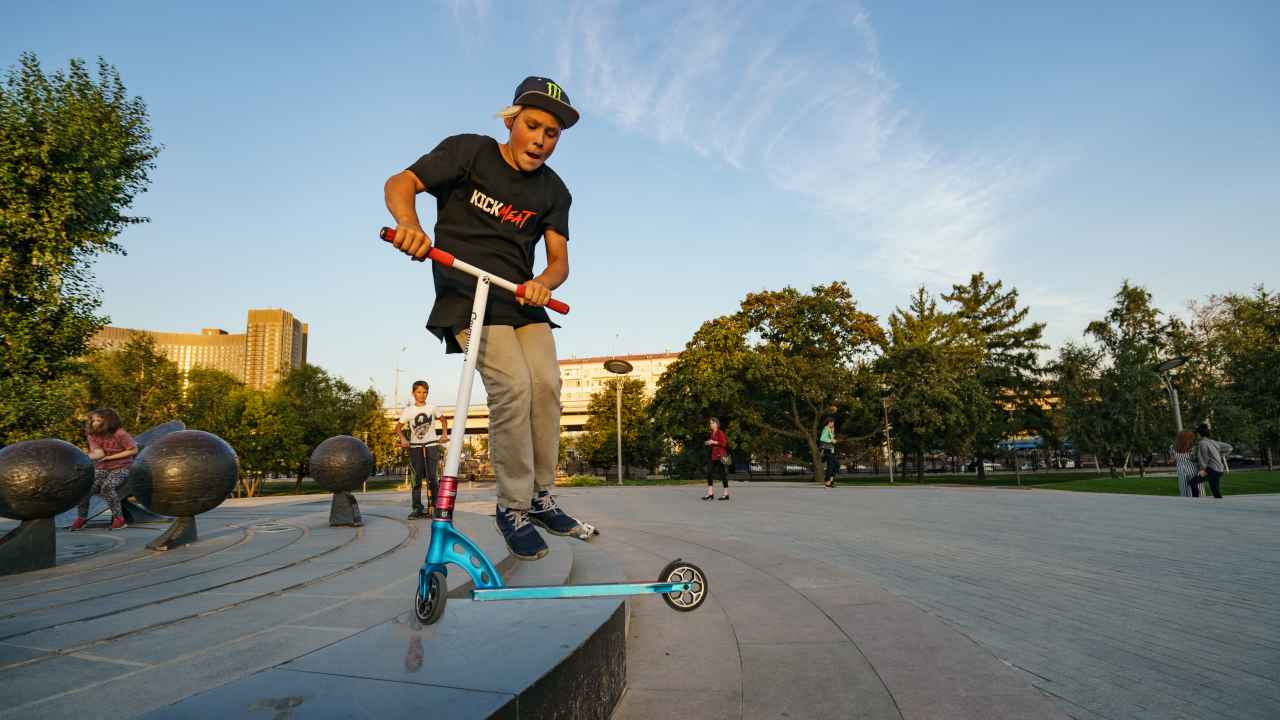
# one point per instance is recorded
(429, 601)
(680, 571)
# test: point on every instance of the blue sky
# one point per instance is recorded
(725, 147)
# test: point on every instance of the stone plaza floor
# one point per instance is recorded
(876, 602)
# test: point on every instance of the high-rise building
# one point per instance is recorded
(275, 343)
(212, 348)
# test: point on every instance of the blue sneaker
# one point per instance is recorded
(523, 540)
(547, 514)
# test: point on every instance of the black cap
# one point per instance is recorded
(545, 94)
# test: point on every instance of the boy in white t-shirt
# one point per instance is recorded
(423, 444)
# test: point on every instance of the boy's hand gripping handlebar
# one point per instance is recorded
(448, 260)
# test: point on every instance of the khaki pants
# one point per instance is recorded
(522, 379)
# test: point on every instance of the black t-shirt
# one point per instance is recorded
(490, 215)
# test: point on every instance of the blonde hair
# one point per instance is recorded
(509, 111)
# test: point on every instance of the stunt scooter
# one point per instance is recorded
(682, 584)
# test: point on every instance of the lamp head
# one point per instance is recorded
(1170, 364)
(619, 367)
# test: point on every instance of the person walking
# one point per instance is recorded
(827, 441)
(716, 465)
(1212, 465)
(1185, 461)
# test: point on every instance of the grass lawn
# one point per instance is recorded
(1237, 482)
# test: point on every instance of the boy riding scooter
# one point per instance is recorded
(494, 203)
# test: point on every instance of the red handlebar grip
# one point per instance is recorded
(444, 258)
(553, 304)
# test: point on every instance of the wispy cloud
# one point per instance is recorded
(801, 96)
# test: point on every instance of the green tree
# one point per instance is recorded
(706, 380)
(1247, 338)
(641, 447)
(139, 383)
(213, 401)
(320, 405)
(778, 367)
(1079, 416)
(1134, 408)
(74, 153)
(266, 437)
(1009, 373)
(931, 364)
(373, 427)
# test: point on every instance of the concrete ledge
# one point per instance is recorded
(518, 659)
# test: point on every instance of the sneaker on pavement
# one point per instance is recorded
(418, 513)
(547, 514)
(523, 540)
(118, 523)
(79, 523)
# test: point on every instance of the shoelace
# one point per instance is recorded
(517, 518)
(546, 503)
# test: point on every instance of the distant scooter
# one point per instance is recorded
(683, 585)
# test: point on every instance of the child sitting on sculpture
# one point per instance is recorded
(112, 450)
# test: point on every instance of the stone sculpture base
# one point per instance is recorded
(181, 532)
(345, 510)
(30, 546)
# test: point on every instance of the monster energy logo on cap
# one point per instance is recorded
(546, 94)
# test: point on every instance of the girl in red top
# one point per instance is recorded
(717, 442)
(112, 450)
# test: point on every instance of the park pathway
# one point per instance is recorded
(1111, 606)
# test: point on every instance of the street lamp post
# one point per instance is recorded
(888, 441)
(1163, 371)
(397, 385)
(619, 367)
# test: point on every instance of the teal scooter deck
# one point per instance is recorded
(682, 585)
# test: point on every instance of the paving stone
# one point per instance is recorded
(639, 704)
(819, 680)
(282, 693)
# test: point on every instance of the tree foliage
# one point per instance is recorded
(320, 406)
(776, 368)
(74, 153)
(1114, 401)
(1233, 378)
(139, 383)
(641, 446)
(1009, 373)
(374, 428)
(213, 401)
(930, 364)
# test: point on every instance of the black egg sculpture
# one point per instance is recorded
(182, 475)
(341, 464)
(38, 479)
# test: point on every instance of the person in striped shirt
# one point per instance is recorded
(1184, 457)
